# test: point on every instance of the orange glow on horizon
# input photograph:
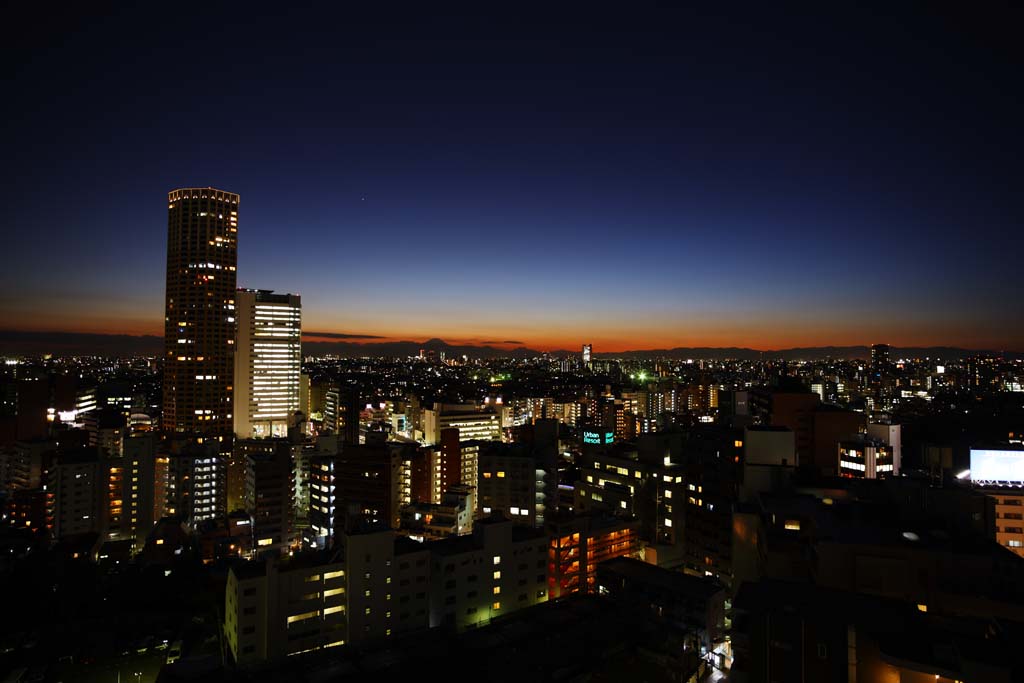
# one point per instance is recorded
(756, 337)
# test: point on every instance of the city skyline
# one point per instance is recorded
(656, 191)
(640, 342)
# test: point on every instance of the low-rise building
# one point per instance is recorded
(374, 585)
(501, 567)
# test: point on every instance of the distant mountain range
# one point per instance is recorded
(806, 353)
(14, 342)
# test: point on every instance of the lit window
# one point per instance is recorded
(497, 590)
(792, 525)
(300, 617)
(497, 559)
(497, 575)
(496, 605)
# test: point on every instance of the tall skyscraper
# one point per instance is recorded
(199, 332)
(268, 362)
(587, 353)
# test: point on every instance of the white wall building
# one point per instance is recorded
(268, 362)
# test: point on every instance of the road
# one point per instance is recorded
(134, 668)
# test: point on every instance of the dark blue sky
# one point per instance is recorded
(642, 177)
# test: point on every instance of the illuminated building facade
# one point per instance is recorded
(324, 500)
(473, 424)
(268, 362)
(196, 486)
(999, 472)
(134, 500)
(866, 459)
(199, 333)
(625, 483)
(1009, 517)
(577, 545)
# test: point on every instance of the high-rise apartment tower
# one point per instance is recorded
(199, 332)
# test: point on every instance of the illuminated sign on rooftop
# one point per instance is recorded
(597, 438)
(997, 466)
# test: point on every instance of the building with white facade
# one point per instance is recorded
(268, 362)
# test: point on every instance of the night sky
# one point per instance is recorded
(637, 178)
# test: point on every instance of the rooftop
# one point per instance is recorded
(667, 579)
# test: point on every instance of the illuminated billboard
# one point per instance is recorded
(997, 465)
(598, 438)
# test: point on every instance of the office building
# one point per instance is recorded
(268, 363)
(473, 424)
(866, 458)
(891, 435)
(199, 333)
(588, 353)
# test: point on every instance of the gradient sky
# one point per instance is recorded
(647, 179)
